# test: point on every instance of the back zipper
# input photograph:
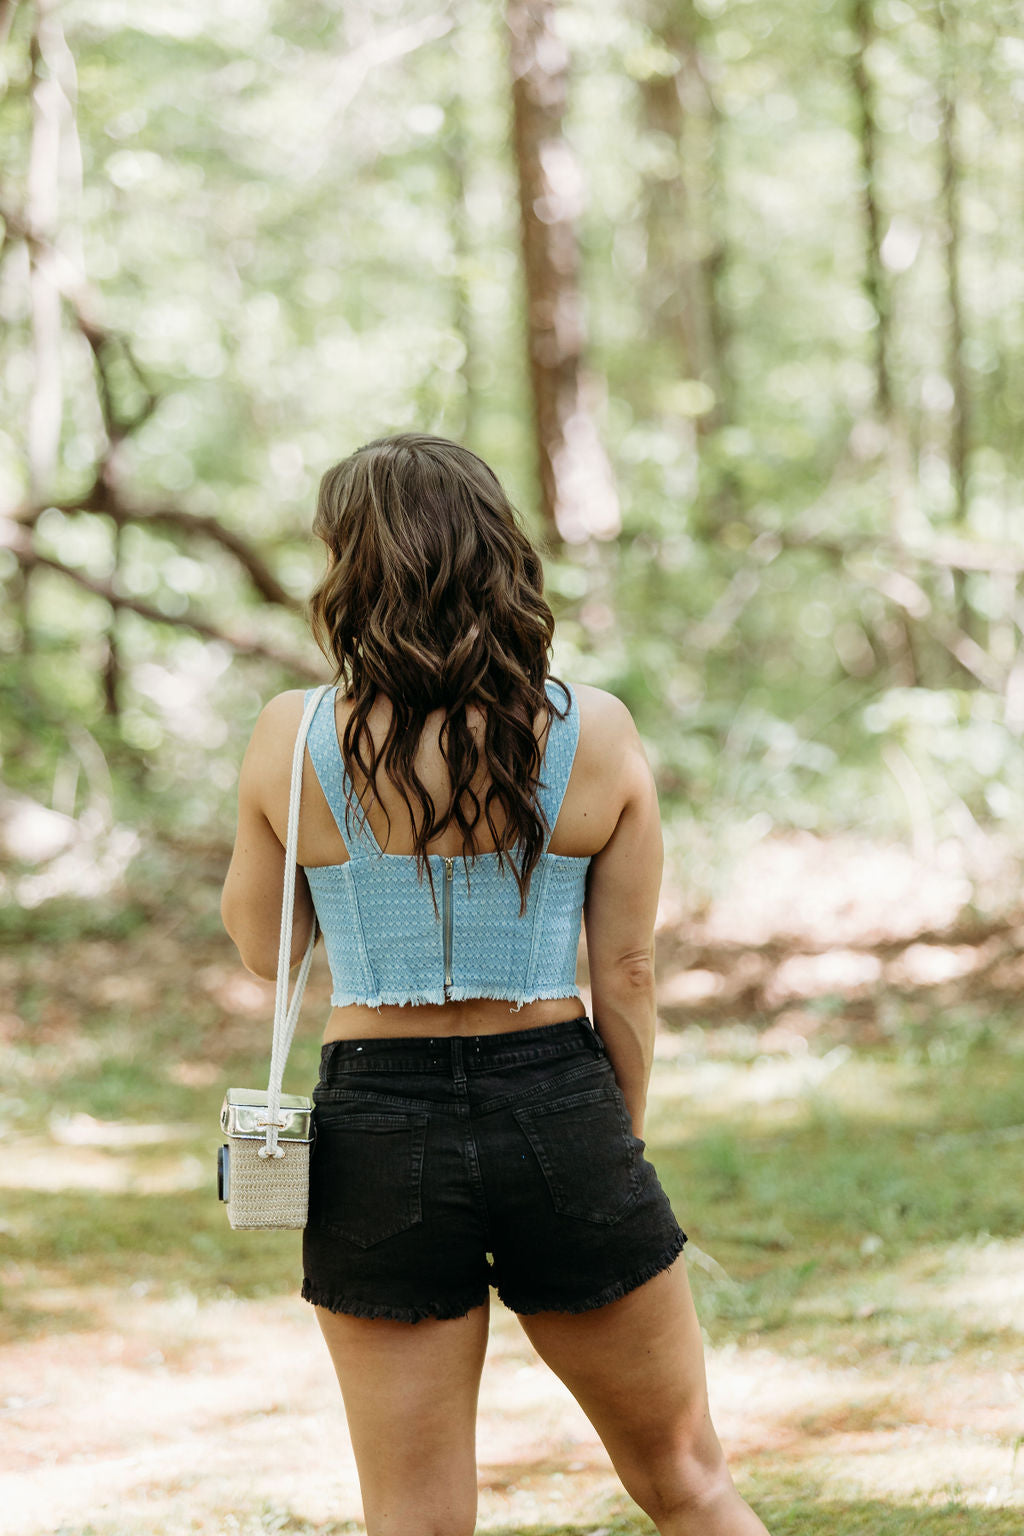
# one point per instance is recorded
(447, 919)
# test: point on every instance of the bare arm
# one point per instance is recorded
(250, 904)
(623, 884)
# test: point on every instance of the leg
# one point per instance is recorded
(410, 1393)
(636, 1368)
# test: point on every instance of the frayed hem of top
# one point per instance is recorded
(441, 1311)
(611, 1292)
(459, 994)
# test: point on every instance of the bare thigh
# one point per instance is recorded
(636, 1368)
(410, 1392)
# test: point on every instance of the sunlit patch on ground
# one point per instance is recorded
(838, 889)
(159, 1408)
(219, 1406)
(41, 1166)
(853, 1201)
(804, 923)
(980, 1281)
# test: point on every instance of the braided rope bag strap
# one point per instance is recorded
(286, 1015)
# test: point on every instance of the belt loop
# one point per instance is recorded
(458, 1067)
(591, 1036)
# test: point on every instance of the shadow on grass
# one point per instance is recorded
(811, 1223)
(838, 1203)
(825, 1517)
(873, 1517)
(804, 1516)
(78, 1241)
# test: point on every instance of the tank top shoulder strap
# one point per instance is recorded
(329, 764)
(559, 754)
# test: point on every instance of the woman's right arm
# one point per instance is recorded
(621, 905)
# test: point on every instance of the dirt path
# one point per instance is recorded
(181, 1416)
(225, 1417)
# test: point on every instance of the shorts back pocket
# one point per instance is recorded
(366, 1172)
(587, 1152)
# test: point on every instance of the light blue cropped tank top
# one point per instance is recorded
(384, 942)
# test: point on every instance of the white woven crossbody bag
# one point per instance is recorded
(263, 1168)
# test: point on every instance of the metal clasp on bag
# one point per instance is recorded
(244, 1115)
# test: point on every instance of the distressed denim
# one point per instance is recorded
(445, 1165)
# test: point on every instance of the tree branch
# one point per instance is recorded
(907, 595)
(102, 497)
(949, 554)
(29, 558)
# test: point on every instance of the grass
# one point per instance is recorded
(807, 1219)
(802, 1514)
(814, 1218)
(838, 1211)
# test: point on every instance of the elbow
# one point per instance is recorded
(264, 965)
(629, 976)
(258, 966)
(637, 981)
(256, 962)
(636, 969)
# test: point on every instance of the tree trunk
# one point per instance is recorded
(960, 414)
(456, 156)
(578, 498)
(112, 646)
(875, 286)
(684, 253)
(43, 200)
(952, 240)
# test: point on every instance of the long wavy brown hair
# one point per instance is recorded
(433, 597)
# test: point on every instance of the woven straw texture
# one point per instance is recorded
(268, 1192)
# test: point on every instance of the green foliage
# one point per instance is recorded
(67, 918)
(304, 223)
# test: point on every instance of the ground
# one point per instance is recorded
(837, 1113)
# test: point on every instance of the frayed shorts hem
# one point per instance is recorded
(529, 1307)
(455, 1307)
(442, 1311)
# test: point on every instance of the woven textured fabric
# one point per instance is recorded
(384, 942)
(271, 1191)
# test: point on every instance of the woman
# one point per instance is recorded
(473, 1126)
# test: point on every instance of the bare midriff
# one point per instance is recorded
(474, 1016)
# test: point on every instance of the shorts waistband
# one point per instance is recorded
(473, 1052)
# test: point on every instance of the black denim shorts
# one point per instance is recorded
(441, 1166)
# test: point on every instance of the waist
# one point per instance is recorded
(466, 1053)
(475, 1016)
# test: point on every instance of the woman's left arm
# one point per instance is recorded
(250, 904)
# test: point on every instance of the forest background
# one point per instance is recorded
(729, 293)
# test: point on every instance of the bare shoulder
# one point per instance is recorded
(606, 722)
(611, 767)
(268, 756)
(278, 721)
